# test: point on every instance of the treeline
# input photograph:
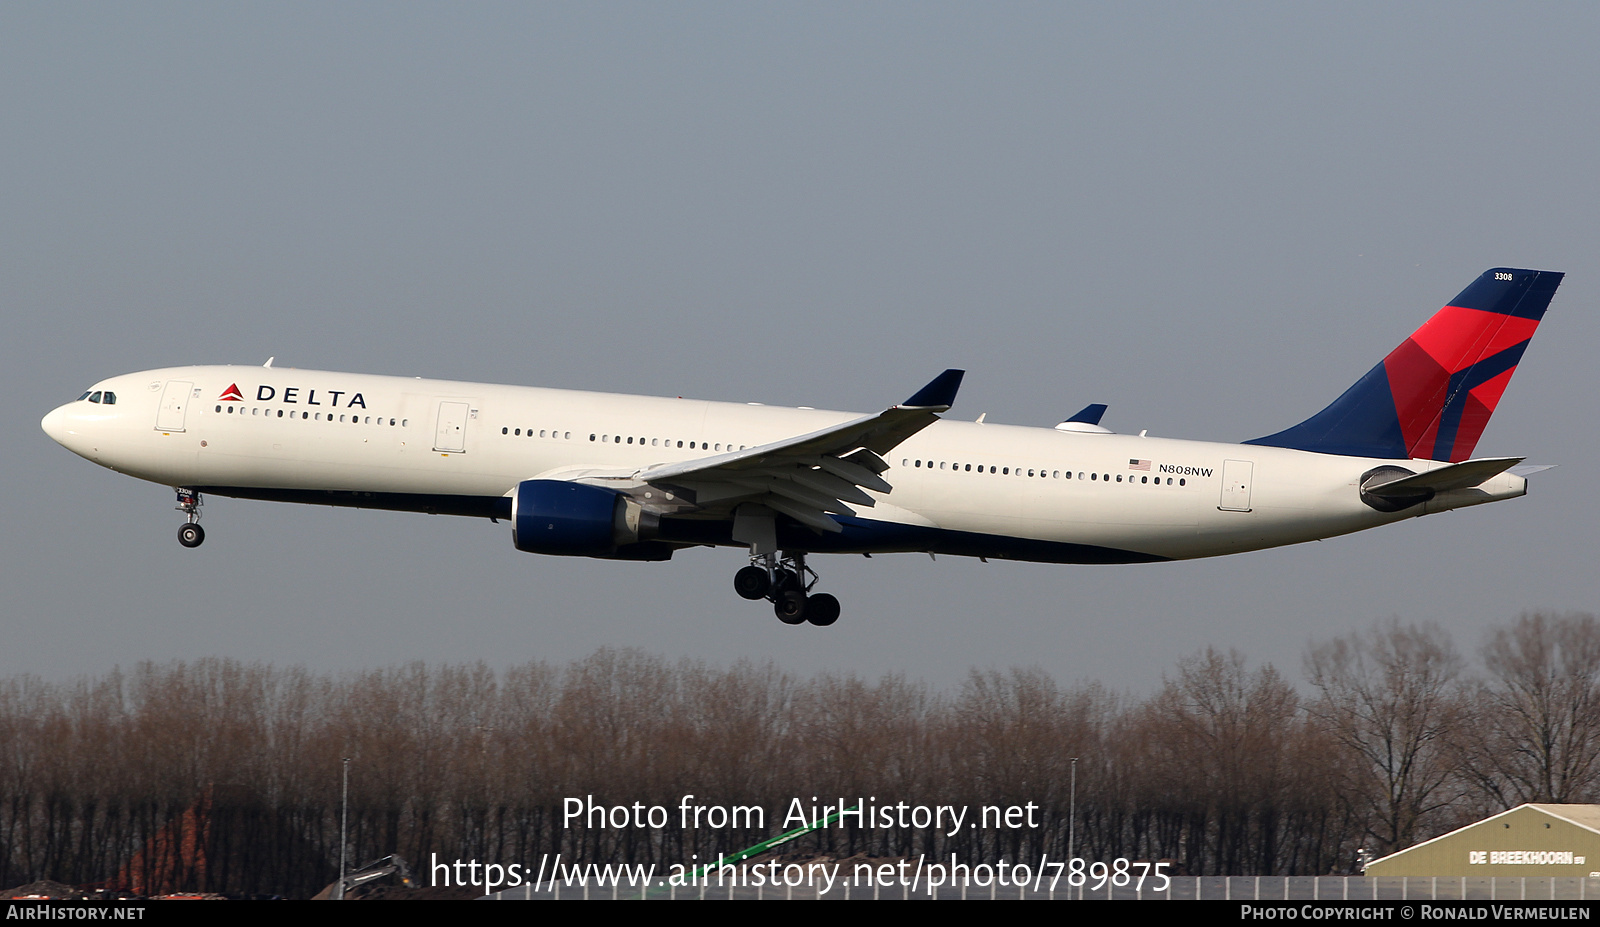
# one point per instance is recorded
(223, 776)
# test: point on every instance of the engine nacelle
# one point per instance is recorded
(577, 520)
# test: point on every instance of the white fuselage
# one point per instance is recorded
(304, 431)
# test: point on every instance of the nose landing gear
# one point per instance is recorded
(190, 534)
(787, 583)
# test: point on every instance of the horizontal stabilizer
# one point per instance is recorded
(1457, 476)
(1527, 470)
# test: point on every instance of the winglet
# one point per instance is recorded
(939, 394)
(1091, 414)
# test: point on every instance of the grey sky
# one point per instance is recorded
(1212, 217)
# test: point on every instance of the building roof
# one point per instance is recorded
(1584, 816)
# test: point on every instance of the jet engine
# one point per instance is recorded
(578, 520)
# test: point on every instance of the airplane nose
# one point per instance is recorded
(55, 424)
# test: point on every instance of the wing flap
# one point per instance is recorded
(795, 492)
(854, 473)
(824, 482)
(811, 518)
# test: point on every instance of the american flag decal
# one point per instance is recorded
(1138, 465)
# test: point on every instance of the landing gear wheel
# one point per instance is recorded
(822, 609)
(191, 535)
(752, 583)
(790, 607)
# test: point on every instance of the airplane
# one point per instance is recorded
(639, 478)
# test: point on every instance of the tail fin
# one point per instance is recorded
(1433, 395)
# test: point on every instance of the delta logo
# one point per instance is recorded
(292, 395)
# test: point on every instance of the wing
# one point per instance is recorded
(814, 476)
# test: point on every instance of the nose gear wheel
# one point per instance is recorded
(190, 534)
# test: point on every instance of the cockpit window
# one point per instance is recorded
(108, 398)
(84, 396)
(94, 396)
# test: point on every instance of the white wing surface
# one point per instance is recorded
(810, 477)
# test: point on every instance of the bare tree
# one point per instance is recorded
(1222, 739)
(1538, 726)
(1391, 696)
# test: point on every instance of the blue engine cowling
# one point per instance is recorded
(575, 520)
(557, 517)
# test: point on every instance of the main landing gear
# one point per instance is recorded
(190, 534)
(787, 584)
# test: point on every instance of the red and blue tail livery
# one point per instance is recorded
(1432, 396)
